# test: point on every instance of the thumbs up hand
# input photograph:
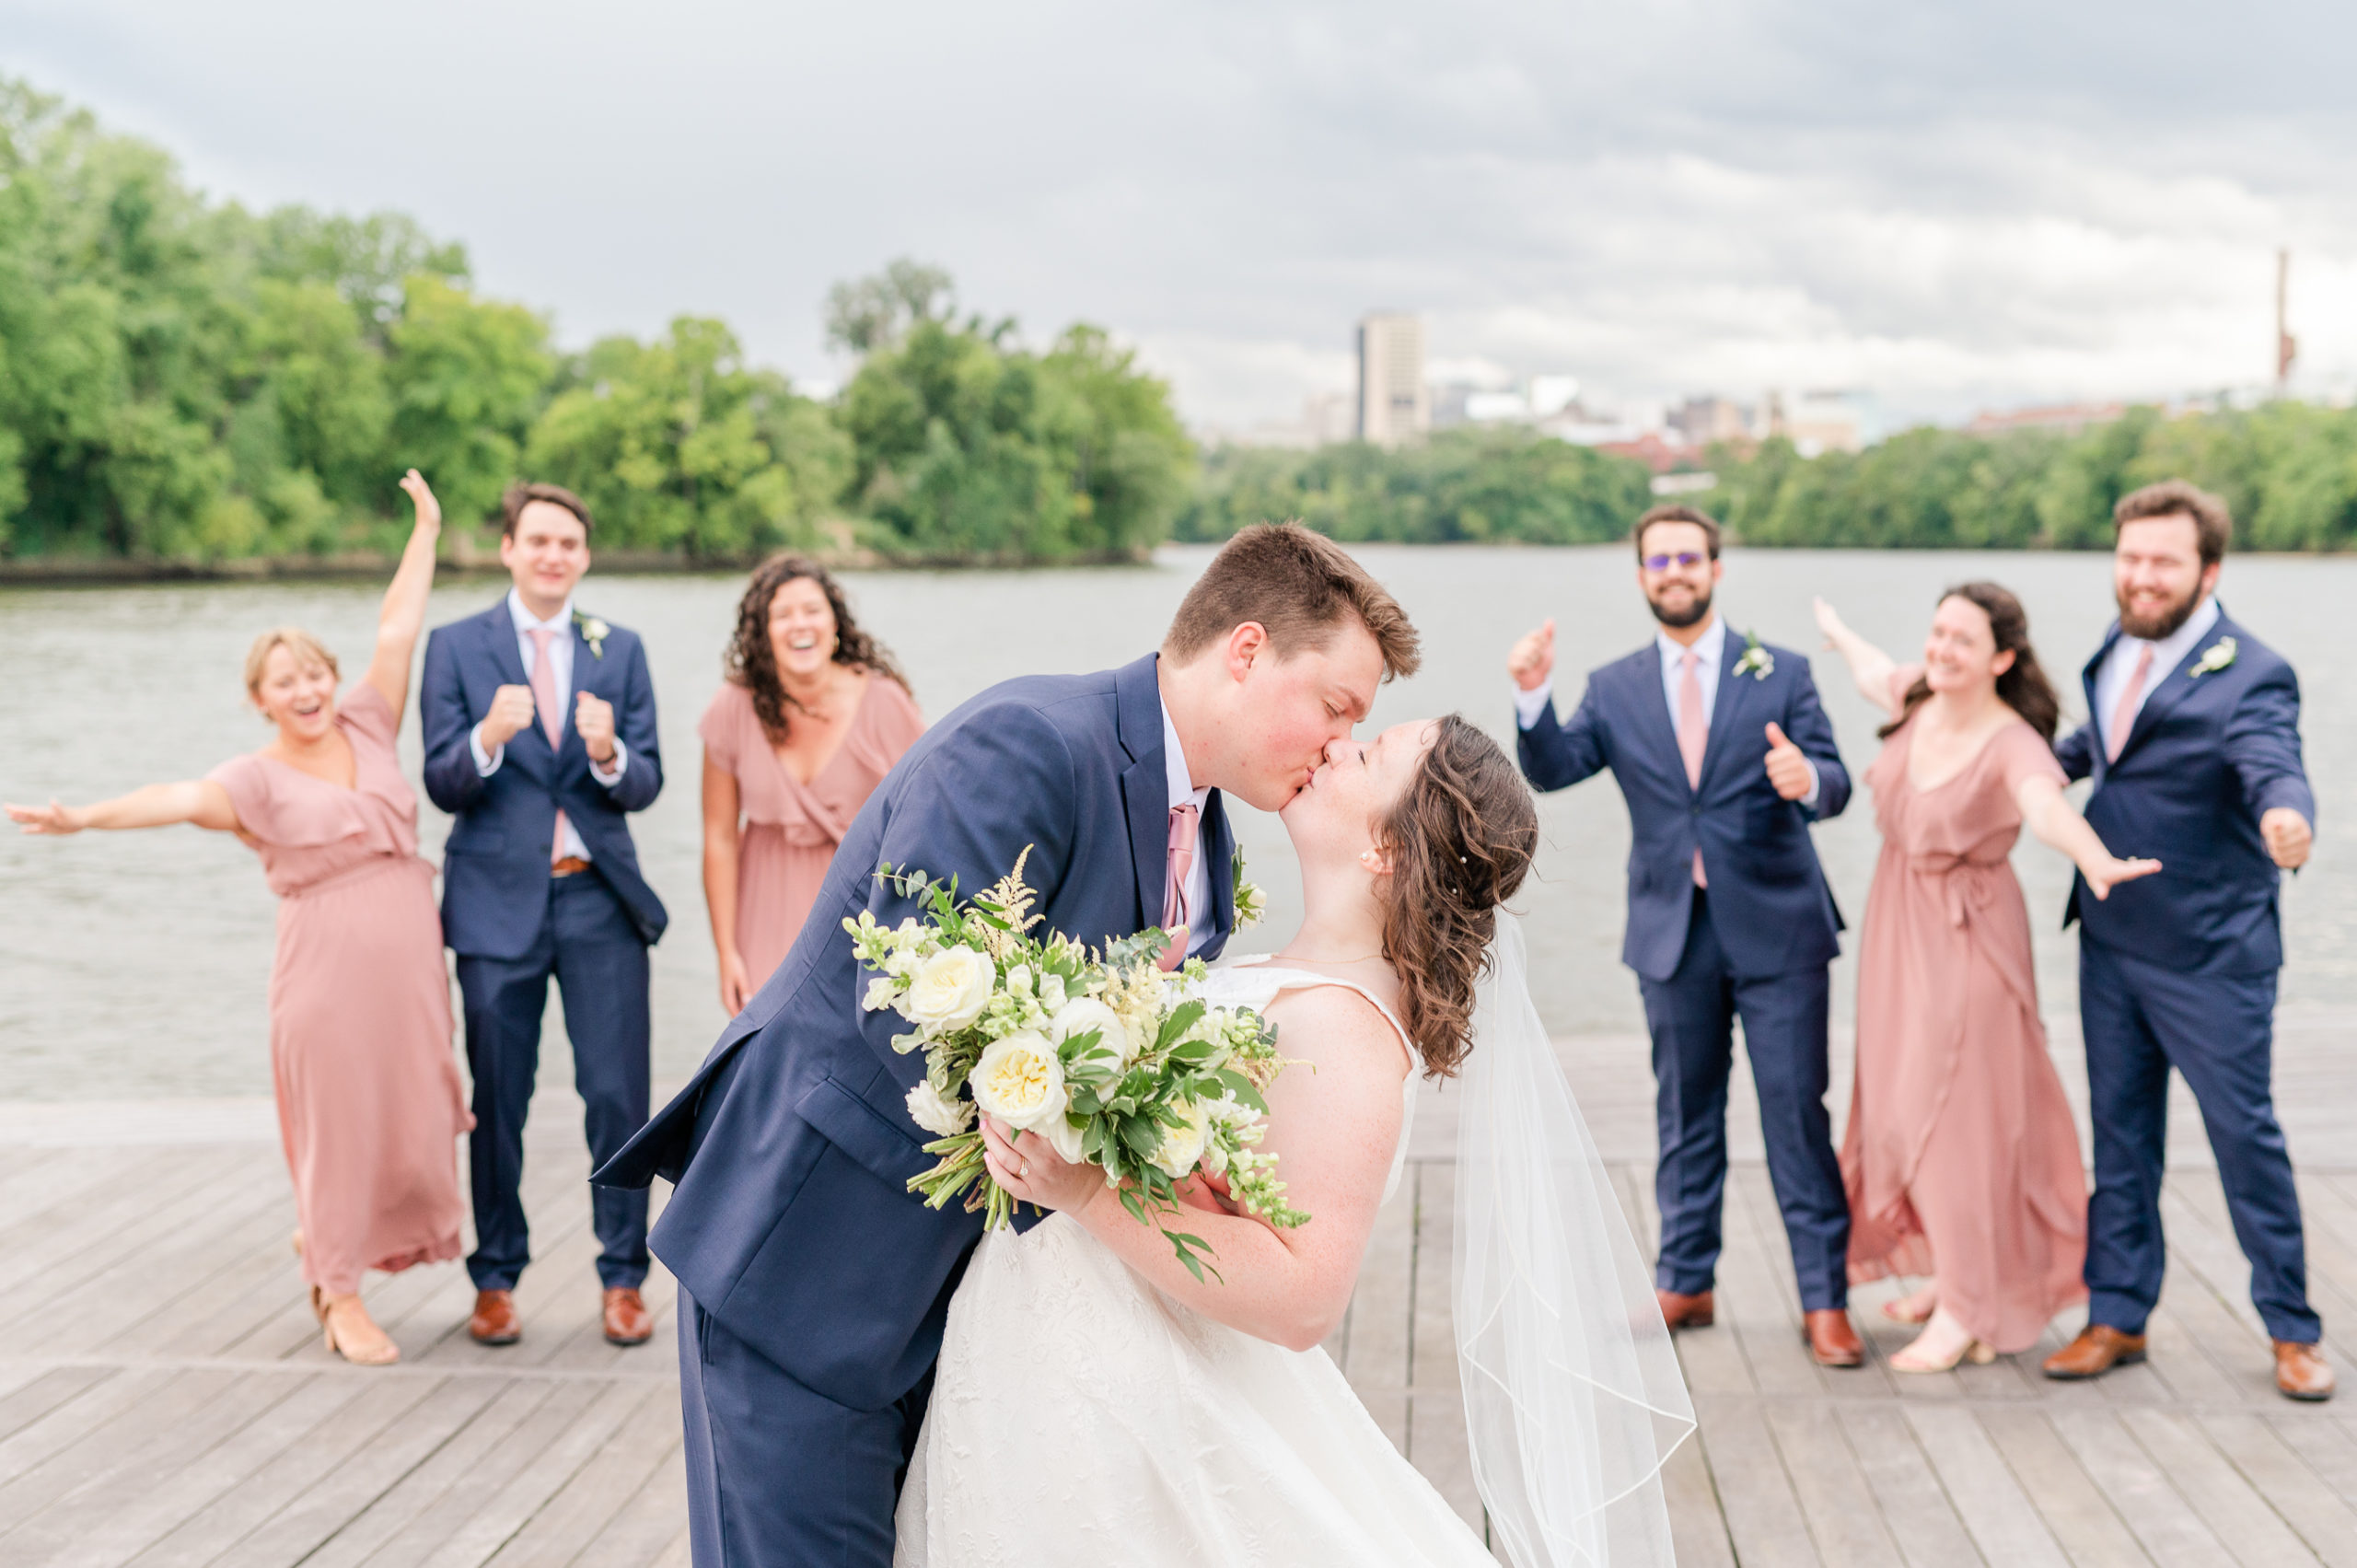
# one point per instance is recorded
(1788, 770)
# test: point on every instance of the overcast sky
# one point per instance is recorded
(1979, 202)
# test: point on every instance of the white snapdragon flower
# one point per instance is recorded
(1063, 1137)
(1052, 991)
(1018, 979)
(880, 994)
(950, 989)
(942, 1117)
(1083, 1014)
(1020, 1080)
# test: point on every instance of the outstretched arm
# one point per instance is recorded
(2059, 824)
(2263, 743)
(1870, 667)
(1333, 1118)
(201, 801)
(402, 616)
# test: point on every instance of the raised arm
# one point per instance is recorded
(1870, 667)
(2058, 824)
(201, 801)
(402, 616)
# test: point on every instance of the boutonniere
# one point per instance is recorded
(1757, 662)
(2218, 656)
(1251, 904)
(593, 631)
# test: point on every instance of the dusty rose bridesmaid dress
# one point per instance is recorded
(789, 829)
(1960, 1158)
(369, 1104)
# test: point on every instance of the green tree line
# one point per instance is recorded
(182, 379)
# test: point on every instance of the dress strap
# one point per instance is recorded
(1303, 980)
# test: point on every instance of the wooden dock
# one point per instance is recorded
(164, 1400)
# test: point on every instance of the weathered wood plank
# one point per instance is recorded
(2250, 1530)
(1996, 1511)
(2082, 1519)
(2172, 1535)
(1834, 1497)
(1914, 1505)
(1765, 1519)
(2323, 1520)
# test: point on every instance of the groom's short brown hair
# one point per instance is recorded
(1299, 586)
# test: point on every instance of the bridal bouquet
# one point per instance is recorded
(1105, 1055)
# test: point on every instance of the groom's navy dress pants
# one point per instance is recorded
(2141, 1019)
(1692, 1017)
(598, 960)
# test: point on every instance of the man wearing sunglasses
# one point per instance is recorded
(1724, 757)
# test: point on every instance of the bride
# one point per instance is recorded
(1095, 1403)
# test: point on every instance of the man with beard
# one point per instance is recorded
(2194, 746)
(1724, 758)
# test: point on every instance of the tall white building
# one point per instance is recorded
(1394, 403)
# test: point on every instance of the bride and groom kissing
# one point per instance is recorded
(862, 1384)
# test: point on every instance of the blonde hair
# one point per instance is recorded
(306, 648)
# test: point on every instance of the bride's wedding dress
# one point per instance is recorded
(1080, 1417)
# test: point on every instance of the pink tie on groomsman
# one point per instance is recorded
(1174, 888)
(1693, 735)
(2123, 717)
(551, 717)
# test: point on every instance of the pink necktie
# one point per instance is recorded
(1174, 891)
(551, 717)
(1693, 735)
(2123, 717)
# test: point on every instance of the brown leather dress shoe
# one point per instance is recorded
(1832, 1339)
(2302, 1372)
(495, 1322)
(1685, 1311)
(2099, 1349)
(627, 1320)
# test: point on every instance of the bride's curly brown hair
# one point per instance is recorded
(1460, 837)
(751, 663)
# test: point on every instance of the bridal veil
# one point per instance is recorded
(1573, 1395)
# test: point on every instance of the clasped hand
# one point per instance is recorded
(512, 709)
(1031, 1171)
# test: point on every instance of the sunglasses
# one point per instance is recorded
(1663, 563)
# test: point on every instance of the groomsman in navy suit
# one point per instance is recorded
(2194, 746)
(1724, 758)
(540, 738)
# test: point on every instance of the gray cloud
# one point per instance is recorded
(1952, 204)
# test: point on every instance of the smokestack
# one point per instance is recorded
(2287, 347)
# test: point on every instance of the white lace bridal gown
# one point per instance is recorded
(1080, 1417)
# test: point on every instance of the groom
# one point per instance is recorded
(813, 1286)
(1724, 758)
(2197, 764)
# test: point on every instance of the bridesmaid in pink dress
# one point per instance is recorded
(369, 1103)
(1960, 1158)
(813, 715)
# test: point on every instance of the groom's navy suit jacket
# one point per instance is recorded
(495, 867)
(1770, 907)
(792, 1148)
(2207, 756)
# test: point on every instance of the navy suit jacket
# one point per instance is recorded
(495, 867)
(2206, 756)
(1770, 907)
(792, 1148)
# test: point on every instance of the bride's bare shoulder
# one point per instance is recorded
(1335, 1025)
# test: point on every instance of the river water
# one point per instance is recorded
(136, 964)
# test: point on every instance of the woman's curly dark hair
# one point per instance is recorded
(1460, 837)
(751, 662)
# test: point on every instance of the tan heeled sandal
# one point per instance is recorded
(1973, 1350)
(384, 1355)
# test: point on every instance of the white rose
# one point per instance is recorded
(1064, 1138)
(1083, 1014)
(1020, 1080)
(1183, 1146)
(950, 989)
(941, 1118)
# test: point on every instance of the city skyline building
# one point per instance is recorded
(1395, 403)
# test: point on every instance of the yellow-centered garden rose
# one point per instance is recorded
(1020, 1080)
(1183, 1146)
(950, 989)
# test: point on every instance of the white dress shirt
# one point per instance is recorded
(1710, 650)
(2167, 653)
(1199, 877)
(560, 668)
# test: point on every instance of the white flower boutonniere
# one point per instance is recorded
(1757, 662)
(1251, 904)
(2218, 656)
(593, 631)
